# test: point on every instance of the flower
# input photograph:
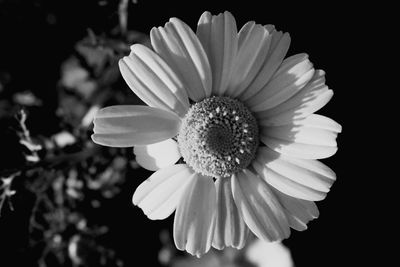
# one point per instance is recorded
(266, 254)
(240, 117)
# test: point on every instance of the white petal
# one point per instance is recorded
(294, 73)
(153, 81)
(300, 178)
(127, 126)
(259, 207)
(195, 216)
(305, 134)
(299, 150)
(311, 138)
(309, 100)
(277, 51)
(158, 155)
(177, 44)
(298, 211)
(253, 46)
(218, 34)
(230, 229)
(160, 194)
(319, 122)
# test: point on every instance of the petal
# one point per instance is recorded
(259, 207)
(319, 122)
(306, 134)
(253, 46)
(309, 100)
(299, 178)
(157, 155)
(159, 195)
(230, 229)
(177, 44)
(277, 51)
(195, 216)
(127, 126)
(311, 138)
(298, 211)
(299, 150)
(294, 73)
(218, 35)
(153, 80)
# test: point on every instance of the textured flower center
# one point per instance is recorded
(218, 137)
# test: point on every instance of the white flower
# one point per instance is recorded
(265, 254)
(249, 142)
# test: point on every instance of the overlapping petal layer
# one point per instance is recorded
(230, 228)
(278, 48)
(177, 44)
(253, 45)
(195, 216)
(259, 207)
(309, 100)
(298, 211)
(300, 178)
(294, 73)
(218, 35)
(152, 79)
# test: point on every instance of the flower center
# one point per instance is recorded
(218, 137)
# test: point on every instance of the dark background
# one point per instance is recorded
(338, 39)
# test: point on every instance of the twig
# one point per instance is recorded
(53, 161)
(6, 191)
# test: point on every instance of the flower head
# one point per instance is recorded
(241, 118)
(218, 137)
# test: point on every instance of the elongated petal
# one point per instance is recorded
(319, 122)
(259, 207)
(127, 126)
(299, 150)
(311, 138)
(294, 73)
(253, 46)
(157, 155)
(218, 35)
(277, 51)
(159, 195)
(153, 80)
(230, 229)
(305, 134)
(298, 211)
(195, 216)
(177, 44)
(309, 100)
(300, 178)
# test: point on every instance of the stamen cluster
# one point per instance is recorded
(218, 136)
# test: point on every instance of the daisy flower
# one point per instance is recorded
(229, 130)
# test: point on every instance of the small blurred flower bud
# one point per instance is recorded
(269, 254)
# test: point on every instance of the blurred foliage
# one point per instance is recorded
(58, 179)
(64, 174)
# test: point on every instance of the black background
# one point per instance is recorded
(339, 39)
